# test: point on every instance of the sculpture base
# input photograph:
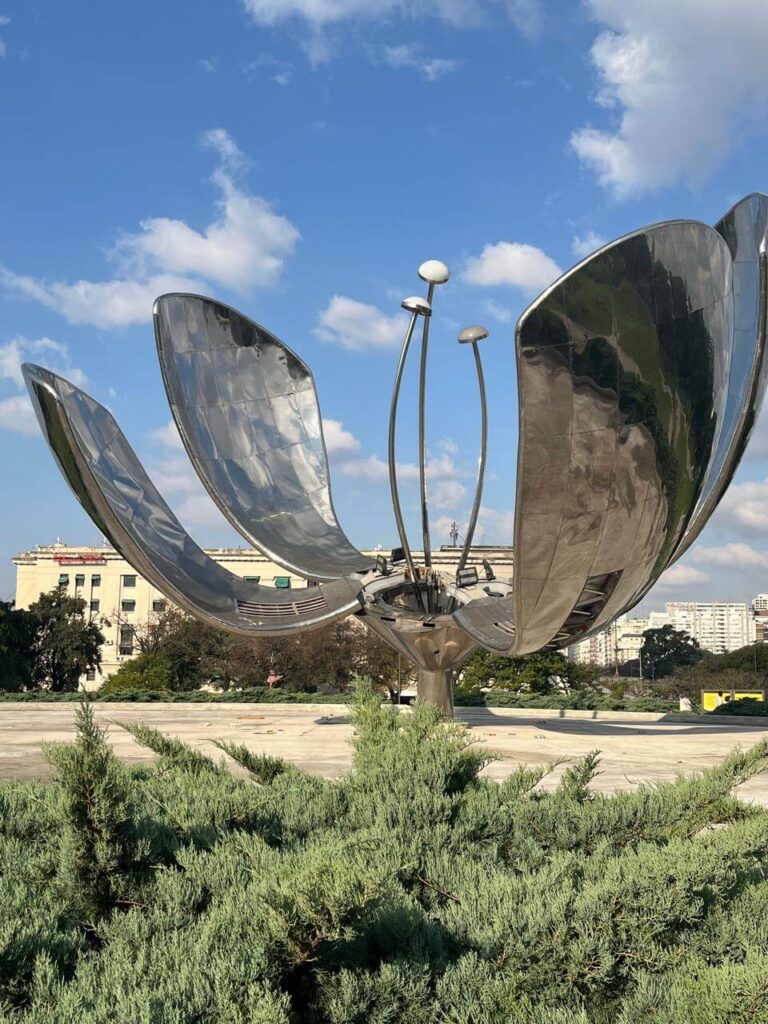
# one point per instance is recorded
(437, 686)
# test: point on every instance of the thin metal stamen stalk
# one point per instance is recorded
(391, 457)
(422, 435)
(481, 464)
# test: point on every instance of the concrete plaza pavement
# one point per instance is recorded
(316, 737)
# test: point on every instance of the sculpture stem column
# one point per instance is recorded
(436, 686)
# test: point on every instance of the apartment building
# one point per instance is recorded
(760, 618)
(717, 626)
(616, 645)
(121, 599)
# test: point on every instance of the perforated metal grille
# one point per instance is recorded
(301, 606)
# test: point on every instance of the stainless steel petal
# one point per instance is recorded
(621, 365)
(113, 487)
(745, 230)
(248, 414)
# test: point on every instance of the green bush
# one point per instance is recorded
(145, 672)
(744, 706)
(413, 890)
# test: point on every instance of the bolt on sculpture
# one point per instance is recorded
(640, 374)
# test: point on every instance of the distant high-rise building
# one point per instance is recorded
(718, 627)
(760, 618)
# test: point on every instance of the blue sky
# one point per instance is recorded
(299, 159)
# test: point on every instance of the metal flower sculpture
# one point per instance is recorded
(640, 375)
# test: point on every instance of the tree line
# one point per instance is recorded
(53, 644)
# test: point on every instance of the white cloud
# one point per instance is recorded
(583, 246)
(525, 14)
(376, 469)
(177, 475)
(498, 526)
(448, 494)
(371, 468)
(757, 449)
(16, 414)
(684, 77)
(501, 313)
(745, 506)
(681, 576)
(229, 153)
(494, 526)
(168, 436)
(358, 326)
(733, 556)
(115, 303)
(245, 247)
(200, 510)
(512, 263)
(411, 55)
(338, 440)
(16, 411)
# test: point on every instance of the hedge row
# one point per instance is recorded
(262, 695)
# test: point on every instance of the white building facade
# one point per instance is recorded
(718, 627)
(120, 600)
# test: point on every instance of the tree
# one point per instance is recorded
(376, 659)
(666, 649)
(531, 673)
(144, 672)
(66, 644)
(17, 638)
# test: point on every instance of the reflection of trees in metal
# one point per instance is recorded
(640, 373)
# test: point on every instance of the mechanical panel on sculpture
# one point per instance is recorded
(640, 375)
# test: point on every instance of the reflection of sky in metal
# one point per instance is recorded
(114, 489)
(248, 414)
(638, 374)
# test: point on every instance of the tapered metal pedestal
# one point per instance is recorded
(437, 686)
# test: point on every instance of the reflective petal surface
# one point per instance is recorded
(113, 487)
(247, 411)
(623, 369)
(745, 230)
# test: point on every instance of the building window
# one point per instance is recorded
(129, 581)
(64, 579)
(128, 606)
(158, 605)
(283, 582)
(251, 579)
(95, 605)
(90, 675)
(79, 580)
(126, 640)
(96, 580)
